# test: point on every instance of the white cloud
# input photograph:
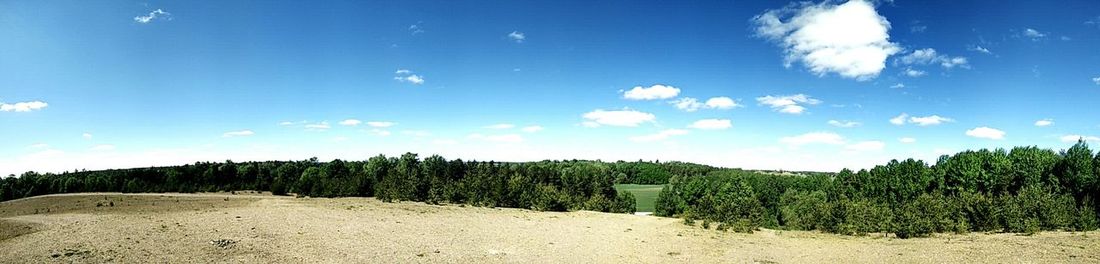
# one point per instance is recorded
(351, 122)
(86, 135)
(23, 106)
(838, 123)
(790, 104)
(339, 139)
(241, 133)
(849, 39)
(506, 138)
(657, 91)
(687, 104)
(986, 132)
(929, 120)
(1044, 122)
(711, 124)
(404, 75)
(39, 146)
(664, 134)
(625, 117)
(980, 49)
(929, 56)
(1074, 138)
(103, 147)
(914, 73)
(899, 120)
(517, 36)
(531, 129)
(721, 102)
(323, 125)
(416, 28)
(898, 86)
(381, 124)
(1034, 34)
(1096, 80)
(813, 138)
(500, 126)
(866, 146)
(152, 16)
(907, 140)
(414, 79)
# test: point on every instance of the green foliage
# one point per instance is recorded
(1024, 190)
(805, 210)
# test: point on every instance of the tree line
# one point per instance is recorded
(544, 185)
(1022, 190)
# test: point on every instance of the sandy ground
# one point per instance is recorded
(226, 228)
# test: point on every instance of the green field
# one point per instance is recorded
(645, 195)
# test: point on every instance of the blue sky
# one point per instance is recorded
(751, 84)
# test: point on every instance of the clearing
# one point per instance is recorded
(254, 228)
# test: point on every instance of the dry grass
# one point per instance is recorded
(254, 228)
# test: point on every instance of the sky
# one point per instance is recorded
(750, 84)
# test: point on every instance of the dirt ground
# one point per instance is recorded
(253, 228)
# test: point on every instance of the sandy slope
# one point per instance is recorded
(205, 228)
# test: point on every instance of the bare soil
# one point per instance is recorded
(254, 228)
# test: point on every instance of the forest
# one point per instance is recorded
(1022, 190)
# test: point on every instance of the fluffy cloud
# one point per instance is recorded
(687, 104)
(849, 39)
(506, 138)
(1074, 138)
(711, 124)
(721, 102)
(23, 106)
(1034, 34)
(517, 36)
(898, 86)
(1044, 122)
(241, 133)
(531, 129)
(381, 124)
(907, 140)
(866, 146)
(790, 104)
(404, 75)
(980, 49)
(625, 117)
(351, 122)
(654, 92)
(323, 125)
(899, 120)
(913, 73)
(930, 56)
(1096, 80)
(838, 123)
(813, 138)
(986, 132)
(664, 134)
(155, 14)
(691, 104)
(500, 126)
(86, 135)
(929, 120)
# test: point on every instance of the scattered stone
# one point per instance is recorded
(223, 243)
